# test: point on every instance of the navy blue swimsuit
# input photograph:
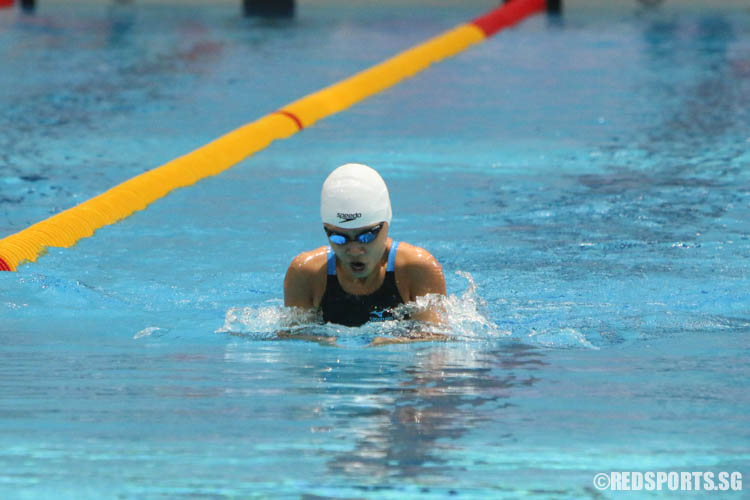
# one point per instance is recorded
(347, 309)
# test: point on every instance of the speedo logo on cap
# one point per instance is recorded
(348, 217)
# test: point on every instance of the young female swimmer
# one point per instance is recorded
(364, 273)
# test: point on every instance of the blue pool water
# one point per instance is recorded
(584, 182)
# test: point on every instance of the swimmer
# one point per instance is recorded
(363, 274)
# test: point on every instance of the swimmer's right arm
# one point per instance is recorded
(298, 284)
(299, 291)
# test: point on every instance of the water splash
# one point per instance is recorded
(151, 331)
(561, 338)
(265, 321)
(464, 318)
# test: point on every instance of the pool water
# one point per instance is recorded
(584, 181)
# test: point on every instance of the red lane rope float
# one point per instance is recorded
(81, 221)
(510, 14)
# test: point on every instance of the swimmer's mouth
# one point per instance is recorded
(357, 267)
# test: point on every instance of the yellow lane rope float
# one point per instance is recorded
(81, 221)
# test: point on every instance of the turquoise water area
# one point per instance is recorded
(584, 181)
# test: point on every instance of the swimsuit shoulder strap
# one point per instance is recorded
(392, 257)
(331, 262)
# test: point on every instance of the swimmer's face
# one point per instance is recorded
(356, 258)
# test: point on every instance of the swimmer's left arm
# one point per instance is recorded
(425, 277)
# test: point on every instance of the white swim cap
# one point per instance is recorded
(353, 196)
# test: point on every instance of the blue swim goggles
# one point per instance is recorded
(367, 236)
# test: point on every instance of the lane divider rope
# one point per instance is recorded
(66, 228)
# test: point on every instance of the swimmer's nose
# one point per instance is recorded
(355, 249)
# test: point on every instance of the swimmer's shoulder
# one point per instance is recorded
(418, 272)
(411, 257)
(311, 261)
(305, 279)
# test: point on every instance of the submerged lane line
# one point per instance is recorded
(81, 221)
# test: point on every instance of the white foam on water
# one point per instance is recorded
(150, 331)
(561, 337)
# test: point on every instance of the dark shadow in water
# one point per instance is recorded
(122, 18)
(691, 150)
(707, 106)
(126, 76)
